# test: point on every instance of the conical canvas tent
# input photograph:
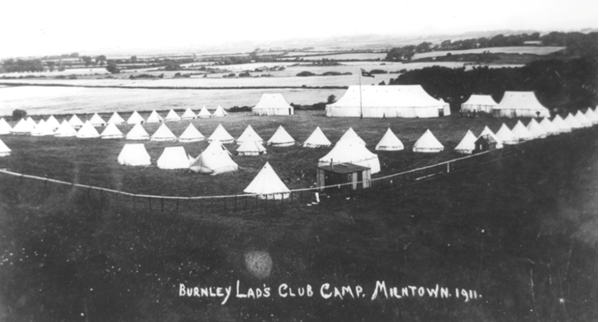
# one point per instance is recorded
(428, 143)
(351, 136)
(4, 127)
(191, 134)
(351, 152)
(268, 185)
(506, 136)
(220, 112)
(591, 115)
(87, 131)
(65, 130)
(389, 142)
(163, 134)
(572, 122)
(272, 104)
(188, 115)
(549, 128)
(487, 131)
(97, 120)
(221, 135)
(134, 154)
(249, 135)
(154, 118)
(4, 150)
(466, 146)
(173, 157)
(42, 129)
(520, 104)
(251, 148)
(22, 128)
(172, 116)
(386, 101)
(559, 123)
(111, 132)
(583, 120)
(317, 139)
(281, 138)
(137, 133)
(214, 160)
(135, 118)
(53, 123)
(31, 122)
(536, 130)
(479, 103)
(204, 113)
(116, 119)
(521, 132)
(75, 121)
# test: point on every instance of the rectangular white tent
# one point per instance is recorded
(520, 104)
(272, 104)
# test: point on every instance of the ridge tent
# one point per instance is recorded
(351, 136)
(163, 134)
(521, 132)
(53, 123)
(115, 118)
(520, 104)
(281, 138)
(137, 133)
(204, 113)
(220, 112)
(268, 185)
(22, 128)
(173, 157)
(191, 134)
(487, 131)
(466, 146)
(428, 143)
(188, 115)
(479, 103)
(389, 142)
(75, 122)
(214, 160)
(96, 120)
(549, 128)
(251, 148)
(272, 104)
(42, 129)
(134, 154)
(591, 115)
(583, 120)
(4, 150)
(536, 130)
(221, 135)
(154, 117)
(561, 125)
(351, 152)
(386, 101)
(249, 135)
(65, 130)
(4, 127)
(506, 136)
(111, 132)
(88, 131)
(572, 122)
(317, 139)
(172, 116)
(135, 118)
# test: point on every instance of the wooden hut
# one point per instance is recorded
(343, 173)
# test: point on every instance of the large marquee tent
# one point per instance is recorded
(272, 104)
(479, 103)
(520, 104)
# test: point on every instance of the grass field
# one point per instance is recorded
(545, 50)
(347, 56)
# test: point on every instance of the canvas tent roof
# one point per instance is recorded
(134, 154)
(221, 135)
(583, 120)
(506, 136)
(520, 104)
(75, 121)
(591, 115)
(351, 152)
(536, 129)
(53, 123)
(65, 130)
(191, 134)
(281, 138)
(352, 136)
(268, 185)
(272, 104)
(188, 115)
(220, 112)
(214, 160)
(111, 132)
(4, 127)
(249, 135)
(115, 118)
(389, 142)
(572, 122)
(479, 103)
(317, 139)
(521, 132)
(487, 131)
(466, 146)
(173, 157)
(23, 128)
(31, 121)
(154, 117)
(4, 150)
(87, 131)
(428, 143)
(549, 128)
(251, 148)
(172, 116)
(163, 134)
(561, 125)
(137, 133)
(42, 129)
(204, 113)
(97, 120)
(135, 118)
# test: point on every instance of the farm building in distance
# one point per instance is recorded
(479, 103)
(520, 104)
(272, 104)
(408, 101)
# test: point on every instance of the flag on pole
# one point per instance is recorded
(366, 74)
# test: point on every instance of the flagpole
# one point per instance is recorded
(360, 86)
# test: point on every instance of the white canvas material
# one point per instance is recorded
(4, 150)
(591, 115)
(386, 101)
(251, 148)
(351, 136)
(4, 127)
(520, 104)
(221, 135)
(111, 132)
(134, 154)
(389, 142)
(272, 104)
(154, 118)
(220, 112)
(163, 134)
(31, 122)
(65, 130)
(479, 103)
(53, 123)
(115, 118)
(317, 139)
(536, 130)
(281, 138)
(191, 134)
(88, 131)
(137, 133)
(466, 146)
(427, 143)
(351, 152)
(188, 115)
(506, 136)
(214, 160)
(572, 122)
(23, 128)
(549, 128)
(487, 131)
(173, 157)
(204, 113)
(521, 132)
(97, 120)
(249, 135)
(42, 129)
(172, 116)
(75, 121)
(135, 118)
(268, 185)
(561, 125)
(582, 119)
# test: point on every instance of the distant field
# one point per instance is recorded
(66, 72)
(348, 56)
(510, 50)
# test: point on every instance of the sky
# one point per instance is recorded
(30, 28)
